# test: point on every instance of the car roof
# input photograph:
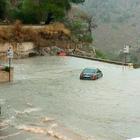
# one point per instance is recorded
(90, 68)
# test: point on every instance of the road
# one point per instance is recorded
(48, 101)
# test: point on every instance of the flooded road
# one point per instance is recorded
(47, 93)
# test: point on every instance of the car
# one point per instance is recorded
(61, 53)
(91, 74)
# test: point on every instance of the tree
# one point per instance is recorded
(77, 1)
(34, 11)
(3, 8)
(90, 20)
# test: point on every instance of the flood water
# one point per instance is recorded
(47, 97)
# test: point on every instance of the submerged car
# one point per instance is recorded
(91, 74)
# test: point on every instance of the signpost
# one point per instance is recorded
(10, 56)
(125, 51)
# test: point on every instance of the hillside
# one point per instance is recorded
(118, 24)
(73, 33)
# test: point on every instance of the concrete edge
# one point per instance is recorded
(102, 60)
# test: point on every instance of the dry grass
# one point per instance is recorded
(42, 36)
(3, 35)
(20, 33)
(56, 28)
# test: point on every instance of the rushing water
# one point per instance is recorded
(48, 89)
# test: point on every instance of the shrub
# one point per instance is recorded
(100, 54)
(6, 68)
(86, 38)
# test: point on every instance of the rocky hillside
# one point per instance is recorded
(118, 24)
(46, 39)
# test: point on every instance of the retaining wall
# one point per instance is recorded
(4, 76)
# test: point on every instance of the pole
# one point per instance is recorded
(125, 59)
(10, 56)
(9, 69)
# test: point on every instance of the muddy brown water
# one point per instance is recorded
(48, 101)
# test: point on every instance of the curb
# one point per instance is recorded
(103, 60)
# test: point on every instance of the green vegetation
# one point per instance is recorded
(100, 54)
(3, 7)
(6, 68)
(79, 31)
(86, 38)
(35, 11)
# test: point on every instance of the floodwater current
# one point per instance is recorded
(48, 101)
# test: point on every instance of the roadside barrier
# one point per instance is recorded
(131, 65)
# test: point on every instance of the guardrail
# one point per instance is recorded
(106, 61)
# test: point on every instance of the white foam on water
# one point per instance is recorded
(138, 138)
(27, 111)
(2, 101)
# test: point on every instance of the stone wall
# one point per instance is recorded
(25, 46)
(4, 47)
(4, 76)
(24, 49)
(20, 49)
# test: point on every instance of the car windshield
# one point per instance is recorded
(89, 70)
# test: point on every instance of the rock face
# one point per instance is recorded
(24, 50)
(21, 50)
(29, 49)
(29, 41)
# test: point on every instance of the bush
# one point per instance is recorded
(86, 38)
(136, 65)
(100, 54)
(6, 68)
